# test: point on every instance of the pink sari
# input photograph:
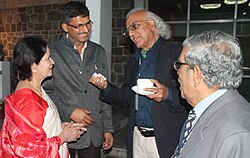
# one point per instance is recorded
(22, 134)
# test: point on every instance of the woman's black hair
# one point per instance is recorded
(27, 51)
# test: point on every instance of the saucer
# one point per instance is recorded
(134, 88)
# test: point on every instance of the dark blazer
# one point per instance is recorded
(223, 130)
(168, 117)
(69, 88)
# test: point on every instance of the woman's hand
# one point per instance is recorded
(71, 131)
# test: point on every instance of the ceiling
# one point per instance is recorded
(167, 8)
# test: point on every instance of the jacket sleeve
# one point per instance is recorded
(121, 96)
(106, 108)
(235, 146)
(65, 109)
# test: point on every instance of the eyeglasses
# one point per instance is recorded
(132, 27)
(177, 65)
(87, 25)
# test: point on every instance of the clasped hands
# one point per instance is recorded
(82, 116)
(71, 131)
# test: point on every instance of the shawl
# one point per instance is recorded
(26, 130)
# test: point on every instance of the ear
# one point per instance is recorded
(198, 76)
(33, 68)
(152, 25)
(64, 27)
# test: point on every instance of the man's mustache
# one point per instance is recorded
(85, 33)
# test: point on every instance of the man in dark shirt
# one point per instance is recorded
(156, 119)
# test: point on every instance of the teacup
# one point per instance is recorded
(144, 83)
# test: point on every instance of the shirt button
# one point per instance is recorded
(80, 71)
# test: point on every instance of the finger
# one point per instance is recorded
(103, 84)
(83, 121)
(65, 123)
(101, 81)
(157, 83)
(86, 111)
(98, 79)
(80, 132)
(104, 145)
(89, 121)
(108, 145)
(89, 118)
(158, 100)
(86, 123)
(77, 125)
(154, 89)
(93, 78)
(84, 129)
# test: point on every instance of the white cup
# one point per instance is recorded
(144, 83)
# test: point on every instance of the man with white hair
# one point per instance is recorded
(156, 117)
(210, 68)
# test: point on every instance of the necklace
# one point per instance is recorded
(37, 89)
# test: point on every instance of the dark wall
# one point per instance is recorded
(43, 20)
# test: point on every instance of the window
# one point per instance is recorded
(186, 17)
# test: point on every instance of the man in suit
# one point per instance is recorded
(156, 119)
(210, 68)
(76, 59)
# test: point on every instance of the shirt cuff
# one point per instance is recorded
(106, 90)
(170, 95)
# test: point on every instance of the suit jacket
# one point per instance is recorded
(69, 88)
(168, 117)
(223, 130)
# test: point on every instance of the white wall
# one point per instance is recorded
(4, 79)
(101, 15)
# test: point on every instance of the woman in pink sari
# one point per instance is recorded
(32, 126)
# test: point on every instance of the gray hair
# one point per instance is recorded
(219, 57)
(162, 27)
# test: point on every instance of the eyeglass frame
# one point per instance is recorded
(133, 26)
(90, 23)
(177, 65)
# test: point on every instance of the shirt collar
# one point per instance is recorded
(84, 47)
(205, 103)
(153, 49)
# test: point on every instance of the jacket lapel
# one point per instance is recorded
(197, 135)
